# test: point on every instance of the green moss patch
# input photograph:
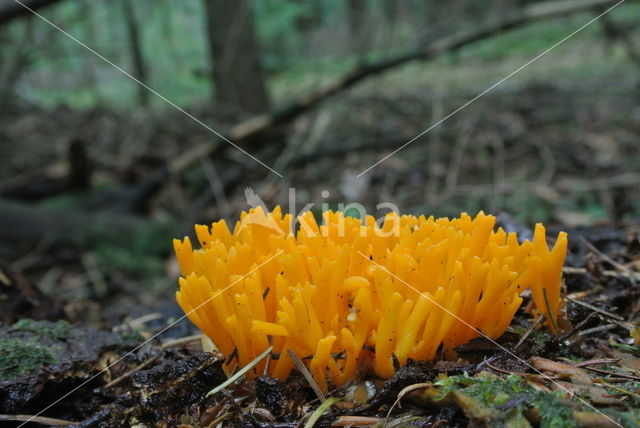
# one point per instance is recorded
(52, 330)
(510, 401)
(504, 399)
(19, 357)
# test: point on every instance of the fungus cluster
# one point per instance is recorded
(348, 296)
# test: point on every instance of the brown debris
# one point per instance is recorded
(20, 299)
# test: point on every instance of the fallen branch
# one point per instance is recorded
(38, 420)
(32, 223)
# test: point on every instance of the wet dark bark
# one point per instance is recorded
(135, 46)
(237, 73)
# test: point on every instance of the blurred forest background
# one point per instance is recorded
(100, 172)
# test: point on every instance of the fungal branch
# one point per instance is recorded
(322, 300)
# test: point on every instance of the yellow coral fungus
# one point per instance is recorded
(349, 295)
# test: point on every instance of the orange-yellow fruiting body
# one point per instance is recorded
(346, 295)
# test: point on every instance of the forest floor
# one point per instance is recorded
(587, 376)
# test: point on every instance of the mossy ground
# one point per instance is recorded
(501, 401)
(19, 357)
(55, 330)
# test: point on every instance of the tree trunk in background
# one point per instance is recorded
(235, 54)
(137, 57)
(357, 14)
(90, 68)
(14, 61)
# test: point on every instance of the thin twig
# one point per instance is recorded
(240, 372)
(609, 273)
(356, 421)
(629, 273)
(499, 370)
(528, 332)
(592, 362)
(617, 388)
(307, 375)
(597, 329)
(620, 375)
(38, 419)
(595, 309)
(404, 392)
(140, 321)
(577, 327)
(552, 316)
(181, 341)
(521, 374)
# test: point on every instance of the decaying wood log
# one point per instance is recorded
(33, 223)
